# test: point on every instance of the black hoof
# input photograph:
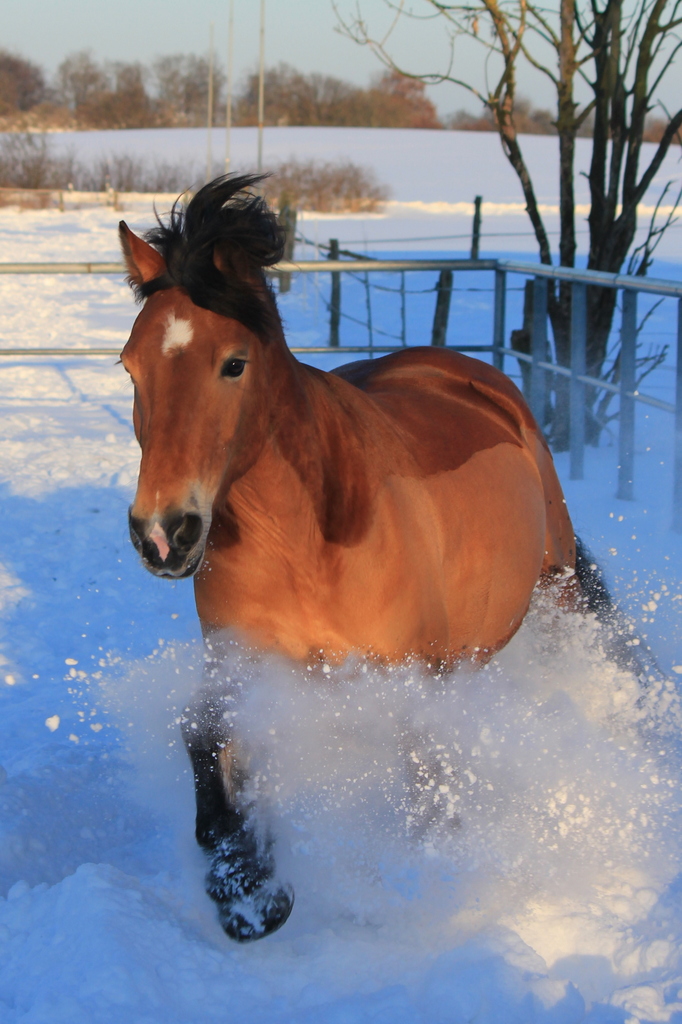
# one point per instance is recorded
(251, 904)
(255, 916)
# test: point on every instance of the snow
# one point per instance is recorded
(422, 166)
(493, 846)
(433, 177)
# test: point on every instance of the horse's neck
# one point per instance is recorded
(317, 471)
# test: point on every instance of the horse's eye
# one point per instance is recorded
(233, 368)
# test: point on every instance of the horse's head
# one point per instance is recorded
(200, 356)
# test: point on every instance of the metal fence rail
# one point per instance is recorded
(540, 366)
(62, 268)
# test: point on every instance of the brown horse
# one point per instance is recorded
(395, 508)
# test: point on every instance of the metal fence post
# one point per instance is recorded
(538, 350)
(577, 387)
(476, 229)
(368, 300)
(498, 318)
(440, 317)
(677, 479)
(335, 297)
(626, 433)
(287, 221)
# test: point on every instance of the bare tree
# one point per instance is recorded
(620, 52)
(399, 101)
(22, 83)
(182, 88)
(113, 95)
(80, 79)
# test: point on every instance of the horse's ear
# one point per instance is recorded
(142, 261)
(237, 265)
(233, 265)
(219, 260)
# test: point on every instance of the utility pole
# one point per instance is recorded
(261, 85)
(228, 110)
(209, 150)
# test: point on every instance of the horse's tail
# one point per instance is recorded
(621, 642)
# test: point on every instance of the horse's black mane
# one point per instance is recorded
(224, 226)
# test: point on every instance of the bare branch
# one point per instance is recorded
(651, 362)
(654, 235)
(670, 132)
(666, 67)
(665, 110)
(549, 35)
(581, 118)
(538, 66)
(647, 316)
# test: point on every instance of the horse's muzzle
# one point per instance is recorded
(171, 545)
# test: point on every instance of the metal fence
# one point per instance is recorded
(540, 367)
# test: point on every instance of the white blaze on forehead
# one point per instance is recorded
(178, 335)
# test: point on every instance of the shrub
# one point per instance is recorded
(329, 187)
(26, 162)
(126, 173)
(529, 120)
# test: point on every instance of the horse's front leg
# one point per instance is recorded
(241, 875)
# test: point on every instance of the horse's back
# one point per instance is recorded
(434, 373)
(451, 408)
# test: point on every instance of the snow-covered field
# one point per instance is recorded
(433, 177)
(556, 898)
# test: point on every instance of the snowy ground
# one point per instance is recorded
(556, 899)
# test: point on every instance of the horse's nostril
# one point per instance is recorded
(186, 532)
(136, 527)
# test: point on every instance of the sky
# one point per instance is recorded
(302, 33)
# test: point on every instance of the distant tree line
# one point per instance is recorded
(173, 92)
(292, 98)
(85, 93)
(530, 120)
